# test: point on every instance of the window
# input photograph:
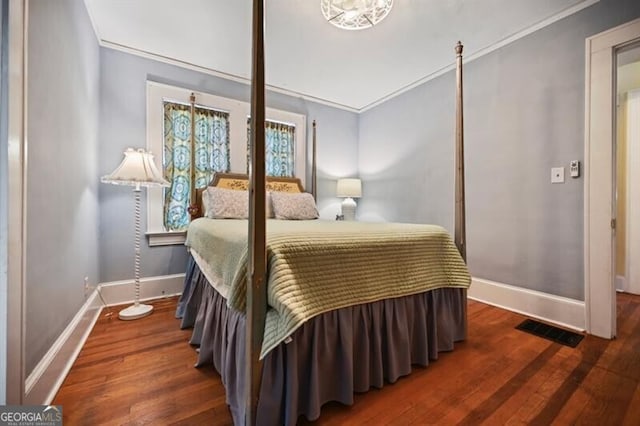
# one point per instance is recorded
(279, 146)
(220, 138)
(211, 154)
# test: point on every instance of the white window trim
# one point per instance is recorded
(238, 113)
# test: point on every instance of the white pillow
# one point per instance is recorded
(221, 203)
(206, 202)
(269, 202)
(299, 206)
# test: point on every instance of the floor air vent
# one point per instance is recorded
(555, 334)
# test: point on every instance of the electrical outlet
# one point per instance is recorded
(557, 175)
(87, 287)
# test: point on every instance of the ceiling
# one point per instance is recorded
(306, 56)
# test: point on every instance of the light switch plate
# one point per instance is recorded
(557, 175)
(574, 169)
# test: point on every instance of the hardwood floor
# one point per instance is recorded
(141, 372)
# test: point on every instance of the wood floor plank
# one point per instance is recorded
(610, 395)
(557, 401)
(142, 372)
(527, 411)
(497, 380)
(500, 403)
(633, 412)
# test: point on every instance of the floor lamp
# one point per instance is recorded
(137, 170)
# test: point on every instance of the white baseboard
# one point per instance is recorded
(621, 283)
(46, 378)
(121, 292)
(562, 311)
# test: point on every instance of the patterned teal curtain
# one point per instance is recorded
(211, 155)
(279, 147)
(279, 141)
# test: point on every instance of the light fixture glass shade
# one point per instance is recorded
(349, 188)
(137, 169)
(355, 14)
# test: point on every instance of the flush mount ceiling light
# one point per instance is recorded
(355, 14)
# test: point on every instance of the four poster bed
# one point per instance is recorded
(311, 311)
(351, 304)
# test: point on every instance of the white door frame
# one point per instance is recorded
(16, 173)
(599, 200)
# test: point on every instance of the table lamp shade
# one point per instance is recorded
(351, 188)
(137, 169)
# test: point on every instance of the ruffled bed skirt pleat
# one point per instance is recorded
(330, 357)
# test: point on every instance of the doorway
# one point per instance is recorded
(599, 188)
(627, 250)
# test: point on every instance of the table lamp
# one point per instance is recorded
(349, 189)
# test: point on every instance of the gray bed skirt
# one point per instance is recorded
(328, 358)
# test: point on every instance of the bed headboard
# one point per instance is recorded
(240, 182)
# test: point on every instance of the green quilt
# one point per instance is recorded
(317, 266)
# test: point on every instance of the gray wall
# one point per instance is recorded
(123, 124)
(524, 113)
(62, 176)
(4, 13)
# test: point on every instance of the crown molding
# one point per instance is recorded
(220, 74)
(484, 51)
(351, 108)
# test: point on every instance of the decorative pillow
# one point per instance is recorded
(220, 203)
(269, 202)
(222, 208)
(206, 202)
(294, 206)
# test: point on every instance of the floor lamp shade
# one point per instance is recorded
(137, 170)
(349, 189)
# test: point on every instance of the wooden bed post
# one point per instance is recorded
(193, 208)
(256, 286)
(314, 165)
(459, 231)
